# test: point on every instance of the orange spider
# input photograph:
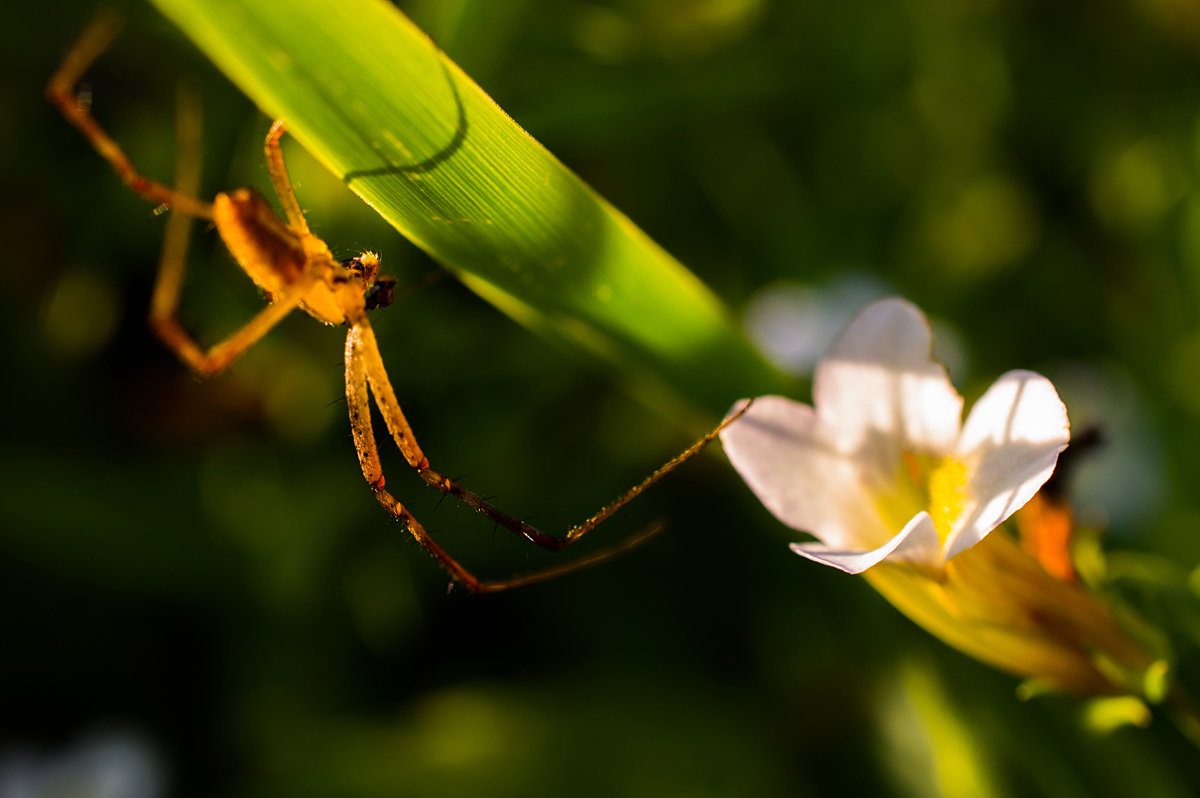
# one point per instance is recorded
(295, 268)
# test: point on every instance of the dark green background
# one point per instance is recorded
(200, 566)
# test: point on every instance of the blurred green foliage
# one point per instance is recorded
(200, 565)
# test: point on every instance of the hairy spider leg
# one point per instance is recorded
(280, 180)
(61, 92)
(365, 377)
(358, 400)
(362, 348)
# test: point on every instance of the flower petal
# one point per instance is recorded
(881, 392)
(1010, 445)
(782, 451)
(917, 542)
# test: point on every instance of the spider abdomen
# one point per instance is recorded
(274, 254)
(266, 248)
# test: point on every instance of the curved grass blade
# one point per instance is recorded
(372, 98)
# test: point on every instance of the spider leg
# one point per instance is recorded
(358, 401)
(164, 302)
(363, 350)
(280, 180)
(61, 92)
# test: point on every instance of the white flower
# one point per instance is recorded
(883, 468)
(886, 476)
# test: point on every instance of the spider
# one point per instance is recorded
(295, 269)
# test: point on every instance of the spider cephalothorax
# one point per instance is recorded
(380, 288)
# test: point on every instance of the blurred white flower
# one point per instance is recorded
(794, 324)
(112, 764)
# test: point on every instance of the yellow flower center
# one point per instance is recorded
(937, 485)
(947, 494)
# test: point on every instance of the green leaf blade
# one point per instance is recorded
(371, 97)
